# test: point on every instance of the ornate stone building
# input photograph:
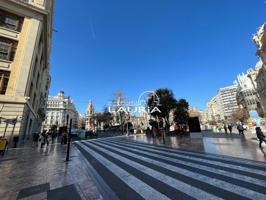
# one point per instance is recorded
(59, 109)
(90, 119)
(25, 43)
(247, 96)
(260, 40)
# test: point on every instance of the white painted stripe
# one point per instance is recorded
(218, 163)
(212, 181)
(203, 167)
(137, 185)
(206, 155)
(178, 185)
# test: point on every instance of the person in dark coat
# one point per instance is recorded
(225, 128)
(230, 127)
(260, 136)
(240, 129)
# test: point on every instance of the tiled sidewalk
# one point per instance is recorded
(34, 173)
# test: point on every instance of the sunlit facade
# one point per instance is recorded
(25, 46)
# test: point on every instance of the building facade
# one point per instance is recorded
(223, 105)
(214, 110)
(90, 122)
(227, 97)
(25, 45)
(82, 122)
(60, 108)
(247, 96)
(260, 40)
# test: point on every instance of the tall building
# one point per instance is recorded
(260, 40)
(214, 110)
(227, 96)
(223, 105)
(60, 108)
(247, 96)
(90, 123)
(25, 45)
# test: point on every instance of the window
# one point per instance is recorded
(37, 81)
(34, 99)
(36, 66)
(31, 90)
(4, 77)
(10, 21)
(7, 49)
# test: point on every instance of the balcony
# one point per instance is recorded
(25, 1)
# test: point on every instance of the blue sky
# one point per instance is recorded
(193, 47)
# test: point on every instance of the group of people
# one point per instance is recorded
(44, 138)
(228, 127)
(241, 128)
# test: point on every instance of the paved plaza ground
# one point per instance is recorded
(218, 166)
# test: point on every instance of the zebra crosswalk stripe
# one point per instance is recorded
(139, 186)
(187, 152)
(218, 163)
(212, 181)
(206, 168)
(185, 188)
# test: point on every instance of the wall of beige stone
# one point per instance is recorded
(15, 104)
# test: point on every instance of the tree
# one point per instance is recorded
(181, 114)
(239, 115)
(167, 102)
(108, 117)
(105, 117)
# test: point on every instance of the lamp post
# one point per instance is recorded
(68, 140)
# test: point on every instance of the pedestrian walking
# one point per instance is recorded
(225, 128)
(64, 138)
(230, 128)
(154, 132)
(260, 136)
(35, 139)
(54, 135)
(15, 140)
(240, 129)
(162, 128)
(44, 139)
(3, 145)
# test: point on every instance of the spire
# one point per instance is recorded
(90, 108)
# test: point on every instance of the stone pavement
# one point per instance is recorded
(34, 173)
(246, 147)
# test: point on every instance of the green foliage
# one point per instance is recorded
(168, 103)
(105, 117)
(181, 112)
